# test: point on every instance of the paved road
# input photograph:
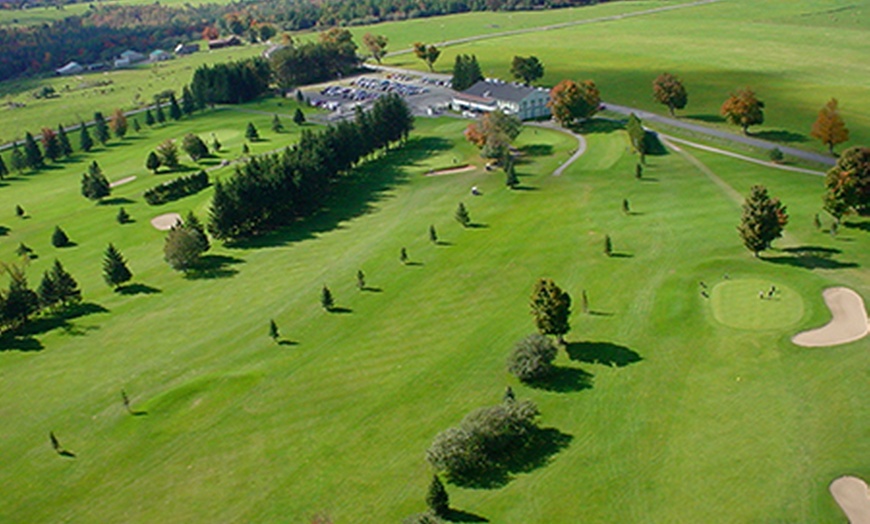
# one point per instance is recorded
(648, 117)
(581, 144)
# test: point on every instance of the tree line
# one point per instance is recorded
(309, 62)
(230, 83)
(276, 189)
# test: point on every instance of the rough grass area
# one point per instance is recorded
(663, 413)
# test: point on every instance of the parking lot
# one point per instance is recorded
(427, 95)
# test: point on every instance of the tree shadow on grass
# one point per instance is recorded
(599, 125)
(457, 515)
(565, 380)
(541, 445)
(212, 267)
(9, 342)
(713, 119)
(138, 289)
(22, 338)
(116, 201)
(356, 196)
(863, 226)
(780, 135)
(617, 254)
(537, 150)
(285, 342)
(810, 257)
(372, 289)
(340, 310)
(605, 353)
(477, 225)
(4, 231)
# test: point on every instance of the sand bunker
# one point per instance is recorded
(848, 322)
(853, 497)
(451, 171)
(165, 222)
(123, 181)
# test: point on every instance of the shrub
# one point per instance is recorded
(776, 155)
(486, 440)
(532, 358)
(175, 189)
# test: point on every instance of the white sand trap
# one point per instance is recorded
(452, 171)
(165, 222)
(853, 497)
(848, 322)
(123, 181)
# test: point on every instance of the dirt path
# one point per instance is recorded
(848, 320)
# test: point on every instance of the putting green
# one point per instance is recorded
(736, 303)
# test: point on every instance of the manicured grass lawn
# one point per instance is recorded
(686, 420)
(795, 55)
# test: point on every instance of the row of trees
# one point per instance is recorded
(177, 188)
(332, 55)
(58, 290)
(231, 82)
(274, 190)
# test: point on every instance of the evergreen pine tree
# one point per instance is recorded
(115, 270)
(817, 223)
(152, 163)
(437, 498)
(94, 184)
(763, 220)
(174, 108)
(433, 235)
(584, 301)
(86, 143)
(625, 206)
(149, 118)
(65, 286)
(159, 115)
(47, 291)
(59, 238)
(32, 155)
(19, 301)
(462, 215)
(215, 143)
(360, 280)
(608, 245)
(136, 127)
(251, 132)
(65, 147)
(326, 299)
(273, 330)
(277, 126)
(19, 211)
(51, 144)
(298, 117)
(193, 224)
(511, 179)
(188, 104)
(122, 217)
(4, 171)
(403, 256)
(16, 159)
(551, 308)
(101, 128)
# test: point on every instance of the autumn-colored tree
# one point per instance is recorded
(119, 123)
(743, 109)
(669, 90)
(829, 127)
(51, 144)
(376, 44)
(210, 33)
(848, 183)
(475, 135)
(571, 100)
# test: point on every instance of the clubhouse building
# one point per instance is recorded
(490, 95)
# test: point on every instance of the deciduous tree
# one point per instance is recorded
(829, 127)
(848, 183)
(167, 152)
(669, 90)
(570, 100)
(428, 54)
(152, 163)
(194, 147)
(527, 69)
(532, 358)
(551, 308)
(763, 220)
(119, 124)
(743, 109)
(376, 44)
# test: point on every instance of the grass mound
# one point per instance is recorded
(748, 304)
